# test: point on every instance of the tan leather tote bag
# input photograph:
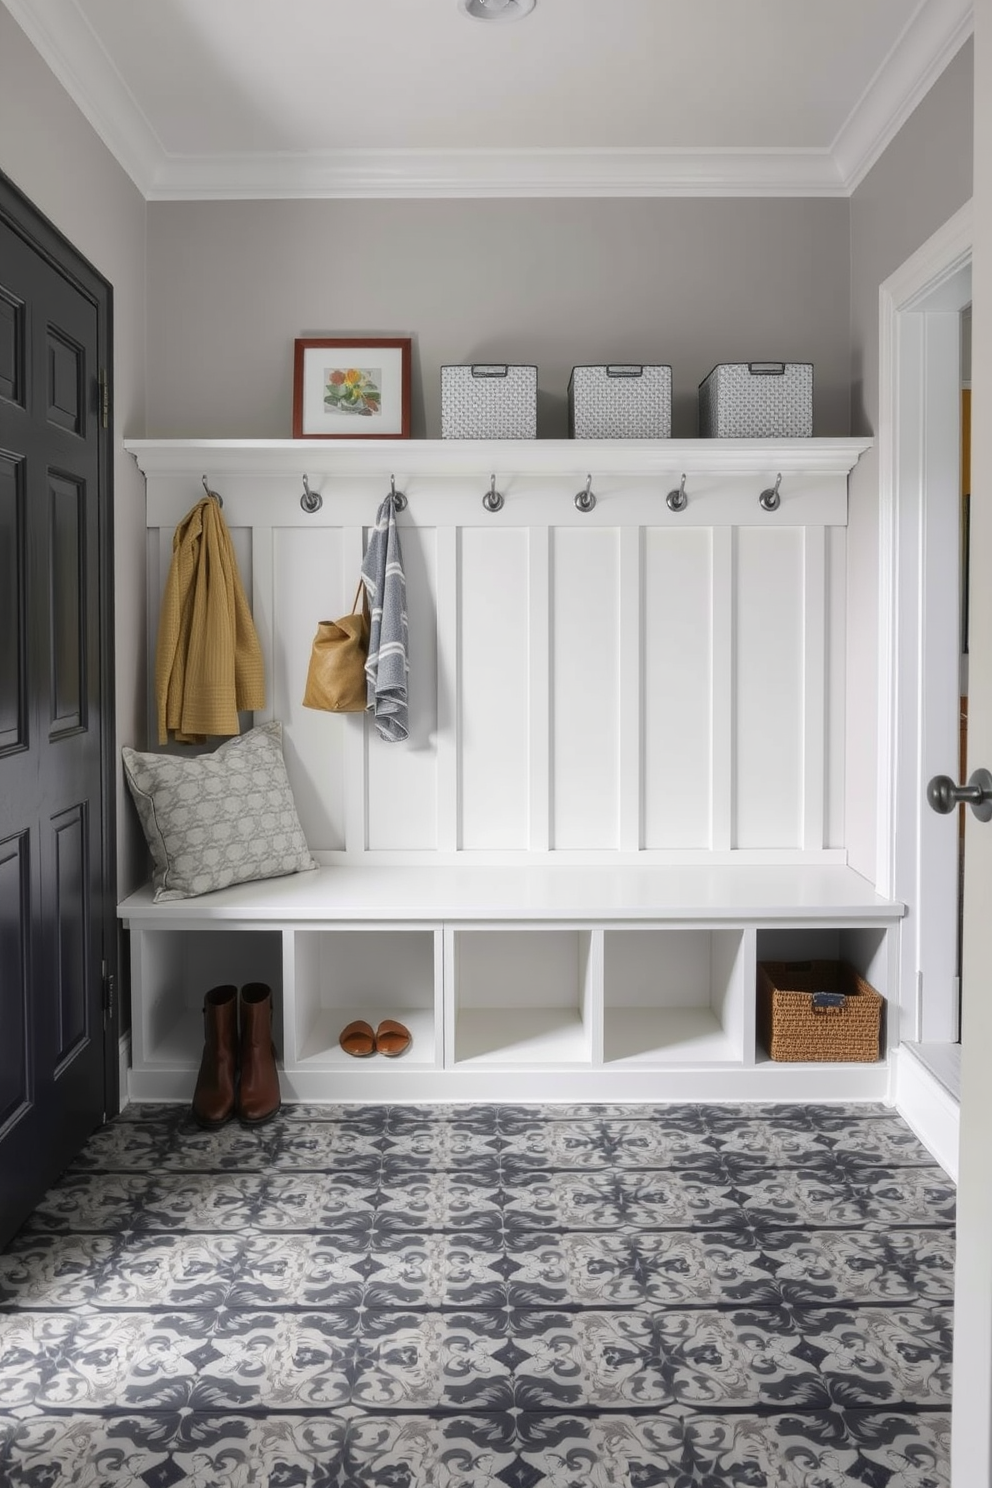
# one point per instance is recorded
(336, 675)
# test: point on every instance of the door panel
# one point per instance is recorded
(55, 851)
(14, 938)
(67, 594)
(13, 628)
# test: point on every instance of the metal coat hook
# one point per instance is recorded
(219, 499)
(769, 500)
(399, 500)
(493, 499)
(678, 500)
(311, 501)
(585, 500)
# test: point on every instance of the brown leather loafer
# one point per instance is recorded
(392, 1038)
(358, 1039)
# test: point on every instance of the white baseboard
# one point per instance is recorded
(928, 1108)
(124, 1066)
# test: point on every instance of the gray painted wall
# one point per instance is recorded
(51, 154)
(226, 286)
(920, 181)
(556, 283)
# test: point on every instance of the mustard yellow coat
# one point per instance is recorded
(208, 662)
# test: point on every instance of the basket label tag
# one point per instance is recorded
(828, 1001)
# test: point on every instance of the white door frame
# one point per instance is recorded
(919, 585)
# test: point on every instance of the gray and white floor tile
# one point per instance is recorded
(485, 1297)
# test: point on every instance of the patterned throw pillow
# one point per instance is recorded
(220, 818)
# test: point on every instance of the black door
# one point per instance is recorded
(57, 940)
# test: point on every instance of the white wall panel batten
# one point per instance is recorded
(836, 684)
(157, 556)
(630, 702)
(448, 673)
(402, 779)
(585, 648)
(263, 607)
(539, 674)
(814, 663)
(355, 737)
(768, 701)
(493, 693)
(722, 691)
(677, 639)
(308, 586)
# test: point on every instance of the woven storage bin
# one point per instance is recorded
(794, 1027)
(757, 400)
(621, 401)
(488, 401)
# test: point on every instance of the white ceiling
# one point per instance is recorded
(278, 98)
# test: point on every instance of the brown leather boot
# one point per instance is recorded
(258, 1092)
(213, 1098)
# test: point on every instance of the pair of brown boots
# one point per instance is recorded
(237, 1073)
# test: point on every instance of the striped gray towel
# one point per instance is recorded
(387, 667)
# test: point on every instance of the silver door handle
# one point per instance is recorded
(943, 795)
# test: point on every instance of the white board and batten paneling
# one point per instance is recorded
(624, 780)
(631, 681)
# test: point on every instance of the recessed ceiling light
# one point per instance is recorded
(496, 10)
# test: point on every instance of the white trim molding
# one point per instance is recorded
(61, 33)
(933, 36)
(497, 173)
(941, 257)
(927, 1108)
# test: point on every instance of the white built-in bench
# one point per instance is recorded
(625, 782)
(517, 983)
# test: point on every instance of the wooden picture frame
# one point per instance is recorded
(351, 388)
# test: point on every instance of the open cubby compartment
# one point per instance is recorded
(521, 996)
(176, 968)
(675, 996)
(372, 973)
(865, 947)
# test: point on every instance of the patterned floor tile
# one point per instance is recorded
(92, 1201)
(456, 1296)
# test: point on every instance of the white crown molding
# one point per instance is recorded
(498, 173)
(934, 34)
(60, 33)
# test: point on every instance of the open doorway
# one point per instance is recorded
(923, 553)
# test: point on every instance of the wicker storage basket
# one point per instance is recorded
(818, 1010)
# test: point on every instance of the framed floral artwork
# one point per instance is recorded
(348, 389)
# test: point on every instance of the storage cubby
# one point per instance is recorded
(174, 972)
(521, 996)
(372, 973)
(673, 996)
(866, 948)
